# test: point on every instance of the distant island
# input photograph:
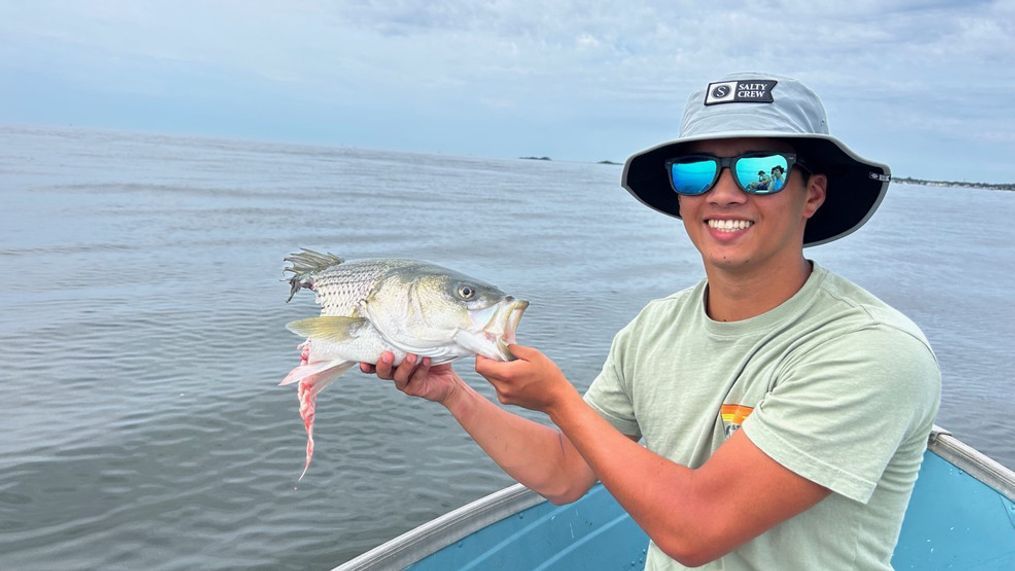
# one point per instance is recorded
(962, 183)
(549, 159)
(902, 179)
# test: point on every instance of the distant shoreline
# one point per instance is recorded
(954, 183)
(902, 179)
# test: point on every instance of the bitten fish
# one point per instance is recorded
(398, 305)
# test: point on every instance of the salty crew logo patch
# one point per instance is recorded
(744, 91)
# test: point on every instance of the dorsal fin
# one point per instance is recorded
(304, 265)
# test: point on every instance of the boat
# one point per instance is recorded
(961, 516)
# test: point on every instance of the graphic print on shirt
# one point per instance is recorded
(733, 415)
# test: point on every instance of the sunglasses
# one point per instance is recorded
(754, 173)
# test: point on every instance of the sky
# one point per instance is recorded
(925, 86)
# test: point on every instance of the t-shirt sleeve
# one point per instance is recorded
(840, 411)
(609, 394)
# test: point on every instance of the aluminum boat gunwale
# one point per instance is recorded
(429, 538)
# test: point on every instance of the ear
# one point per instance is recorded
(817, 187)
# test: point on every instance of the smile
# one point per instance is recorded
(729, 225)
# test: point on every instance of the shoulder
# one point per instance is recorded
(655, 322)
(854, 309)
(672, 305)
(854, 342)
(861, 346)
(881, 358)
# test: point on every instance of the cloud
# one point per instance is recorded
(571, 70)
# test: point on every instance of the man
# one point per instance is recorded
(778, 177)
(783, 411)
(760, 184)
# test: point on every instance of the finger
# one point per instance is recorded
(384, 365)
(491, 368)
(421, 371)
(481, 362)
(404, 371)
(522, 352)
(367, 368)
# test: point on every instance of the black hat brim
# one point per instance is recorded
(856, 186)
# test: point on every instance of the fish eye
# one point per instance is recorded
(466, 291)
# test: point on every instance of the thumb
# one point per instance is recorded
(486, 366)
(522, 352)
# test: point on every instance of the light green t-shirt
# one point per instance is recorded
(833, 384)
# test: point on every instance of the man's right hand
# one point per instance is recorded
(416, 377)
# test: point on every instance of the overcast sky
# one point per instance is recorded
(925, 86)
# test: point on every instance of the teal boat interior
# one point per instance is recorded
(961, 516)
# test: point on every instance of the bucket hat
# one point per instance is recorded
(770, 106)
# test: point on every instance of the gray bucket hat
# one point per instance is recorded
(771, 106)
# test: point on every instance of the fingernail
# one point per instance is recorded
(410, 359)
(386, 358)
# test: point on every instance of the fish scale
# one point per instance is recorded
(339, 288)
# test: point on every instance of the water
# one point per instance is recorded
(141, 332)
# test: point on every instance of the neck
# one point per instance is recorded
(738, 295)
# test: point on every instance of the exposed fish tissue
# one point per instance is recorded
(398, 305)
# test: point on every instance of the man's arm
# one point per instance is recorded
(693, 515)
(538, 456)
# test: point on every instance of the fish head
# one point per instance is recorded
(428, 306)
(493, 329)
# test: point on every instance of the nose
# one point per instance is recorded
(725, 191)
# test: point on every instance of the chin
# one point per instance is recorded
(728, 260)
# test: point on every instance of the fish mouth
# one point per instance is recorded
(514, 312)
(499, 329)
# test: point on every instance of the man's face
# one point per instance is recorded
(767, 230)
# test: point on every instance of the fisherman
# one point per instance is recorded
(760, 184)
(778, 178)
(773, 416)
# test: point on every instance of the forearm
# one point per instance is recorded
(693, 515)
(658, 494)
(652, 489)
(537, 456)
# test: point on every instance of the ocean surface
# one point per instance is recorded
(142, 332)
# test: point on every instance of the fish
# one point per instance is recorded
(390, 304)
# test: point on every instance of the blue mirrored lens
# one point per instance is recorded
(762, 175)
(694, 177)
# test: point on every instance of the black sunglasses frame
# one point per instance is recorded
(730, 163)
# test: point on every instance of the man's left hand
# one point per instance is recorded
(532, 381)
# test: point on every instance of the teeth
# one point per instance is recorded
(730, 225)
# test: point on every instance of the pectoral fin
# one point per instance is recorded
(332, 328)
